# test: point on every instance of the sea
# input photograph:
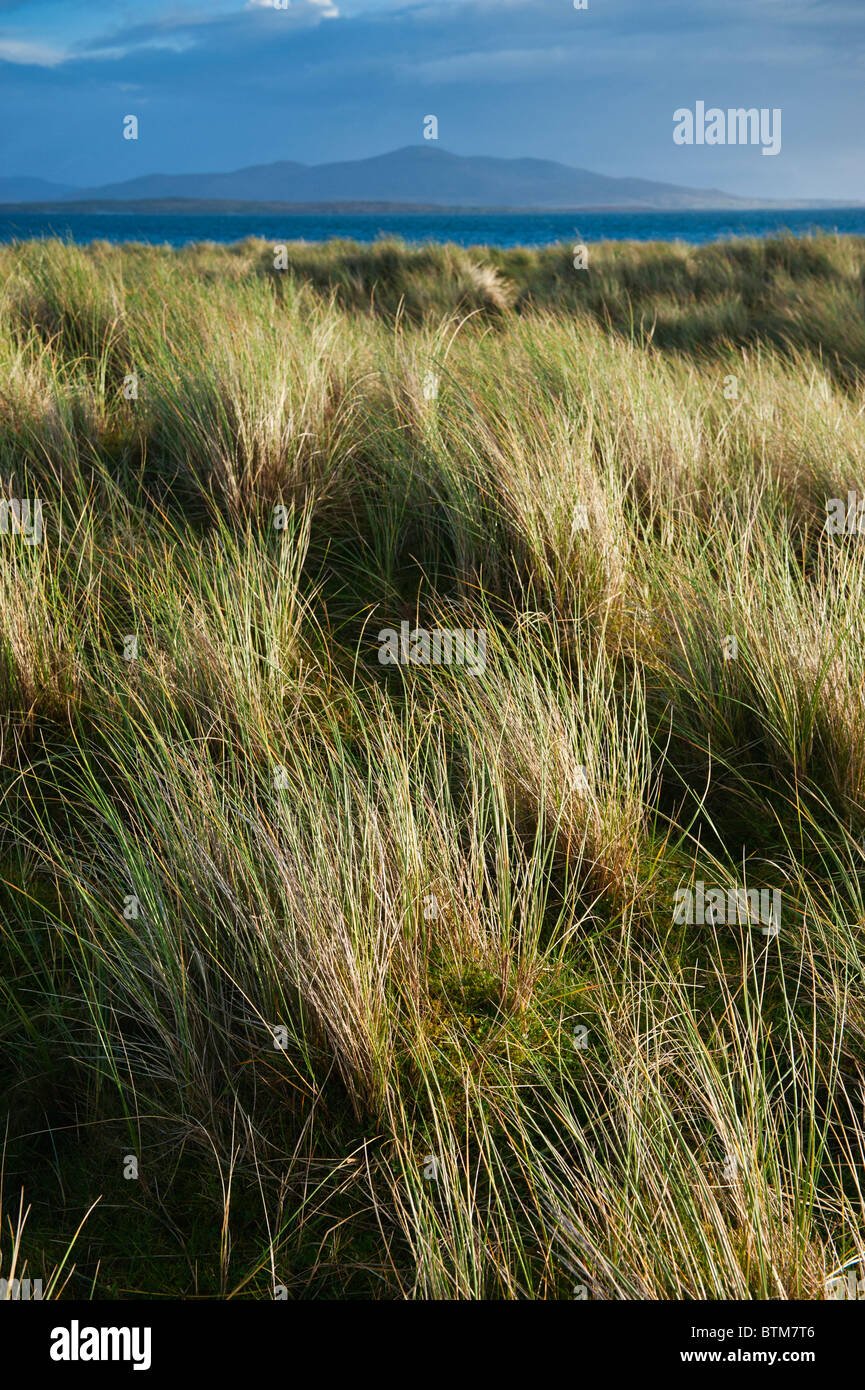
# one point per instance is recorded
(465, 228)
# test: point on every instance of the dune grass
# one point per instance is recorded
(326, 978)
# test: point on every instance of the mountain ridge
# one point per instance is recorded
(413, 175)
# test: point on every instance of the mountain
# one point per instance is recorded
(25, 190)
(269, 181)
(416, 174)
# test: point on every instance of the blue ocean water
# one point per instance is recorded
(464, 228)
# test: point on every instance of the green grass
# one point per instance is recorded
(375, 969)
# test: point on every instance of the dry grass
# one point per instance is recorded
(375, 969)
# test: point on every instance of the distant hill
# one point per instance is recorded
(24, 190)
(417, 174)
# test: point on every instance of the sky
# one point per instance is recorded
(220, 84)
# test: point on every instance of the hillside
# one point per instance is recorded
(432, 771)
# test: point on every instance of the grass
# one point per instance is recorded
(327, 978)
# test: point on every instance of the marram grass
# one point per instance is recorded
(321, 977)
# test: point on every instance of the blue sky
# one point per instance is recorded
(218, 84)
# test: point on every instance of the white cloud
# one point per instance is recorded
(327, 7)
(39, 55)
(168, 44)
(28, 53)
